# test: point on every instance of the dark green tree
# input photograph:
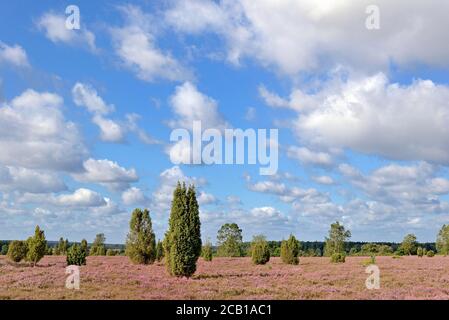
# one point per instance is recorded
(141, 241)
(183, 238)
(84, 247)
(37, 246)
(229, 241)
(76, 255)
(290, 250)
(4, 249)
(159, 251)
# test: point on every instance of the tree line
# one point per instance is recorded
(182, 246)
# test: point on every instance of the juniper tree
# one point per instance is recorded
(76, 255)
(159, 251)
(98, 248)
(141, 241)
(84, 248)
(37, 246)
(17, 250)
(183, 239)
(290, 250)
(206, 252)
(260, 252)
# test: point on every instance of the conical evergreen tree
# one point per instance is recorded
(182, 243)
(141, 242)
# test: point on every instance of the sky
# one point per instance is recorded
(359, 96)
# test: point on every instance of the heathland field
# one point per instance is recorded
(408, 277)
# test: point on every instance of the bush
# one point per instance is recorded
(37, 246)
(430, 253)
(338, 257)
(76, 255)
(17, 250)
(290, 250)
(98, 248)
(259, 250)
(111, 252)
(4, 249)
(207, 251)
(371, 260)
(420, 252)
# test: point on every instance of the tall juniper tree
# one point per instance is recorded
(182, 243)
(141, 242)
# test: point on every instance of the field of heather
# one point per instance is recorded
(229, 278)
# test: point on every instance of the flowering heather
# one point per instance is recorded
(229, 278)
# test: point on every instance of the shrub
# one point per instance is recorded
(111, 252)
(141, 241)
(207, 251)
(98, 248)
(260, 252)
(183, 238)
(37, 246)
(430, 253)
(338, 257)
(290, 250)
(371, 260)
(76, 256)
(17, 250)
(420, 252)
(84, 247)
(4, 249)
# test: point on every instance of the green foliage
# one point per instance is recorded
(290, 250)
(409, 244)
(420, 252)
(98, 248)
(141, 241)
(84, 247)
(206, 253)
(353, 252)
(17, 250)
(260, 252)
(111, 252)
(62, 247)
(369, 249)
(182, 241)
(229, 241)
(442, 242)
(76, 255)
(336, 241)
(4, 250)
(37, 246)
(159, 251)
(338, 257)
(430, 253)
(424, 251)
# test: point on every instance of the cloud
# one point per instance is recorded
(307, 156)
(14, 55)
(189, 104)
(326, 180)
(206, 198)
(327, 28)
(85, 95)
(26, 180)
(135, 45)
(133, 196)
(80, 198)
(36, 135)
(110, 130)
(106, 172)
(54, 26)
(372, 116)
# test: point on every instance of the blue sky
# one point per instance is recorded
(86, 115)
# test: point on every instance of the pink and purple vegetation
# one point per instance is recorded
(229, 278)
